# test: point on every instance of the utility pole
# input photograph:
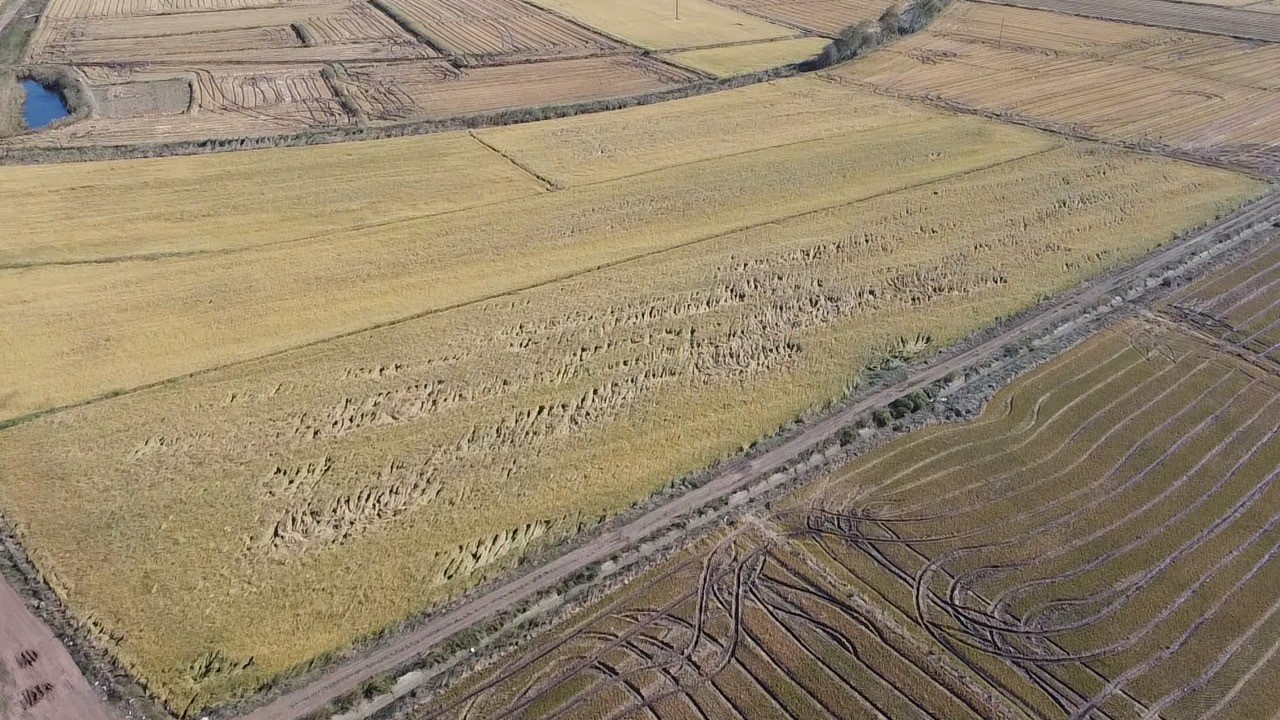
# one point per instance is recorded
(999, 43)
(677, 9)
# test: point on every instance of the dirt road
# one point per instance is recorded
(348, 676)
(38, 678)
(8, 8)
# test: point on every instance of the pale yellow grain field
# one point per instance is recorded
(234, 201)
(741, 59)
(510, 374)
(652, 24)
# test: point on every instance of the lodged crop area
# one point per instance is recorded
(253, 443)
(1100, 542)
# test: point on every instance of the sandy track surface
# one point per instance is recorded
(1232, 22)
(348, 676)
(38, 678)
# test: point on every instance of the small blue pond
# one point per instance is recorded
(43, 107)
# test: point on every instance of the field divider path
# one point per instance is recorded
(547, 183)
(510, 292)
(348, 676)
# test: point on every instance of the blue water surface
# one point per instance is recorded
(43, 106)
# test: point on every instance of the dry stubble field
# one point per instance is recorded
(226, 69)
(1205, 95)
(1099, 543)
(457, 388)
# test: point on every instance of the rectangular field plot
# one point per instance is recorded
(737, 627)
(652, 25)
(171, 104)
(1108, 528)
(509, 28)
(295, 33)
(312, 192)
(1208, 96)
(103, 9)
(392, 91)
(191, 70)
(825, 17)
(741, 59)
(414, 405)
(1240, 305)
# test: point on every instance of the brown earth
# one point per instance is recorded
(38, 678)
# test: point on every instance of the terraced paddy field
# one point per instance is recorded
(461, 385)
(1100, 542)
(1208, 96)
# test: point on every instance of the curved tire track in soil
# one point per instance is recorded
(961, 582)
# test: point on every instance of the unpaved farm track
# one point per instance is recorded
(1209, 19)
(348, 676)
(38, 678)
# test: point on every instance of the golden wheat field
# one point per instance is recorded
(653, 25)
(1206, 95)
(346, 427)
(1100, 542)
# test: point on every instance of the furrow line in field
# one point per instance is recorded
(1169, 650)
(988, 572)
(958, 584)
(1012, 594)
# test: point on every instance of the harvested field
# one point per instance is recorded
(1105, 529)
(1099, 543)
(452, 393)
(509, 28)
(741, 59)
(221, 102)
(739, 626)
(1177, 14)
(157, 71)
(825, 17)
(652, 25)
(1209, 97)
(386, 92)
(304, 32)
(246, 100)
(1241, 307)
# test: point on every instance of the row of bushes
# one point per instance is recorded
(868, 35)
